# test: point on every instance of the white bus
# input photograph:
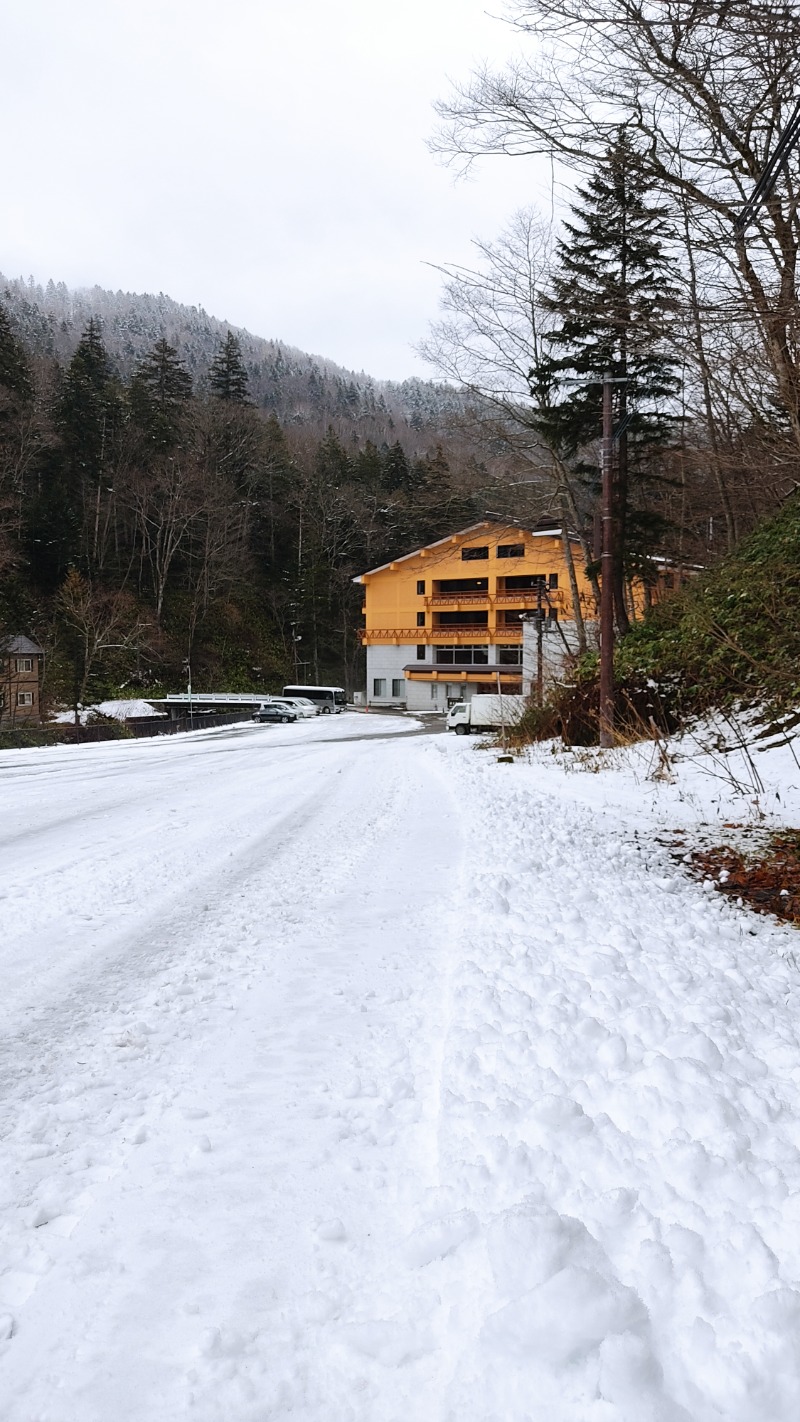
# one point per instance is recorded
(329, 699)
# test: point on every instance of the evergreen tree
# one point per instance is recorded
(397, 471)
(613, 294)
(159, 390)
(89, 398)
(368, 466)
(89, 417)
(228, 377)
(15, 371)
(332, 462)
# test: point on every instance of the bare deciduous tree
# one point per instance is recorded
(707, 89)
(101, 620)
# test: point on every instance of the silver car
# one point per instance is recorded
(273, 711)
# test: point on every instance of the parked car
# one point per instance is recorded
(273, 711)
(300, 704)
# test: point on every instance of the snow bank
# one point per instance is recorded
(620, 1116)
(120, 711)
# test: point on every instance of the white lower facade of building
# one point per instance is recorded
(391, 684)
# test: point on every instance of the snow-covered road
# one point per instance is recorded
(367, 1080)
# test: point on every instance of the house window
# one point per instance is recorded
(24, 698)
(24, 664)
(420, 586)
(420, 619)
(552, 580)
(669, 580)
(421, 653)
(398, 686)
(473, 555)
(511, 550)
(379, 686)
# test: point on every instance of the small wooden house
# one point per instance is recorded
(21, 663)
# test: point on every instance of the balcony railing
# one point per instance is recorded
(472, 631)
(521, 597)
(458, 600)
(529, 597)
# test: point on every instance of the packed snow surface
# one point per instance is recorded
(353, 1076)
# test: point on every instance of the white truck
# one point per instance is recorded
(485, 713)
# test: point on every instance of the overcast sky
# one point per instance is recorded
(265, 159)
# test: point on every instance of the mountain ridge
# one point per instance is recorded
(294, 385)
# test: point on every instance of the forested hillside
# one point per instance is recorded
(298, 388)
(176, 495)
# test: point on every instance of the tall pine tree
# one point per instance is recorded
(15, 371)
(613, 294)
(228, 379)
(159, 391)
(89, 418)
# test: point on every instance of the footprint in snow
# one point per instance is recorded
(332, 1231)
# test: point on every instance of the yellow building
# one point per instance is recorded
(446, 621)
(459, 617)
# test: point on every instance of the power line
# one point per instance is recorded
(769, 176)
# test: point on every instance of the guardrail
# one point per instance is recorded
(145, 726)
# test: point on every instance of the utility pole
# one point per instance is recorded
(607, 557)
(607, 574)
(539, 644)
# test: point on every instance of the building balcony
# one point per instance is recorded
(456, 600)
(529, 597)
(470, 632)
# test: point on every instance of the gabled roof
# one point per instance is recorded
(538, 532)
(21, 647)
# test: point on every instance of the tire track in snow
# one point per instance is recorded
(292, 983)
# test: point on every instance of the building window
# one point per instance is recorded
(511, 550)
(461, 619)
(398, 686)
(473, 555)
(513, 615)
(448, 586)
(552, 580)
(509, 656)
(669, 580)
(434, 691)
(24, 698)
(521, 582)
(420, 586)
(24, 664)
(379, 686)
(421, 654)
(420, 619)
(461, 656)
